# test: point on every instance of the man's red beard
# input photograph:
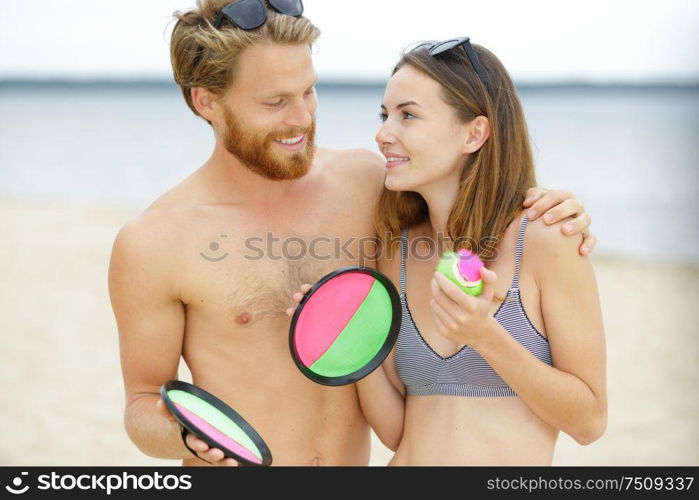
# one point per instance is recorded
(257, 152)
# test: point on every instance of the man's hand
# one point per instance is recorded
(298, 297)
(212, 455)
(557, 205)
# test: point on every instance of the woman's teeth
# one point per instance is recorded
(395, 158)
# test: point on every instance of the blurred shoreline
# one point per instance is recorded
(63, 396)
(10, 83)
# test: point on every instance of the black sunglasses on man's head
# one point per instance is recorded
(251, 14)
(437, 48)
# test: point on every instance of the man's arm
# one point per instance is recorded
(150, 319)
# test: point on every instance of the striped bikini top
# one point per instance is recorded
(464, 373)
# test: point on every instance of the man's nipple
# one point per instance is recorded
(243, 318)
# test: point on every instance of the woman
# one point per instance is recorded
(489, 379)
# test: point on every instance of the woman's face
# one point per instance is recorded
(421, 137)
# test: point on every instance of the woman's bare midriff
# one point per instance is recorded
(450, 430)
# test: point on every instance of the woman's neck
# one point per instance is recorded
(440, 200)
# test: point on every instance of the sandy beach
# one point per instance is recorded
(62, 399)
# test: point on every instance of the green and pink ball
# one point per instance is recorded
(463, 269)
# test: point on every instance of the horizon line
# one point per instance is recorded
(349, 83)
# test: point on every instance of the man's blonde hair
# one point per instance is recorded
(204, 56)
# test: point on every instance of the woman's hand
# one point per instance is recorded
(557, 205)
(460, 317)
(298, 297)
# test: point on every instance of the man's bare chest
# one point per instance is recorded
(242, 272)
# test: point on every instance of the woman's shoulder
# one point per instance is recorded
(545, 245)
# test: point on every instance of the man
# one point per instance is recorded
(207, 271)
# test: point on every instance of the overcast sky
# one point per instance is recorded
(537, 40)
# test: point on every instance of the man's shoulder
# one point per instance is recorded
(359, 172)
(155, 230)
(354, 160)
(143, 236)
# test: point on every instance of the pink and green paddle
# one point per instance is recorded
(345, 326)
(215, 423)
